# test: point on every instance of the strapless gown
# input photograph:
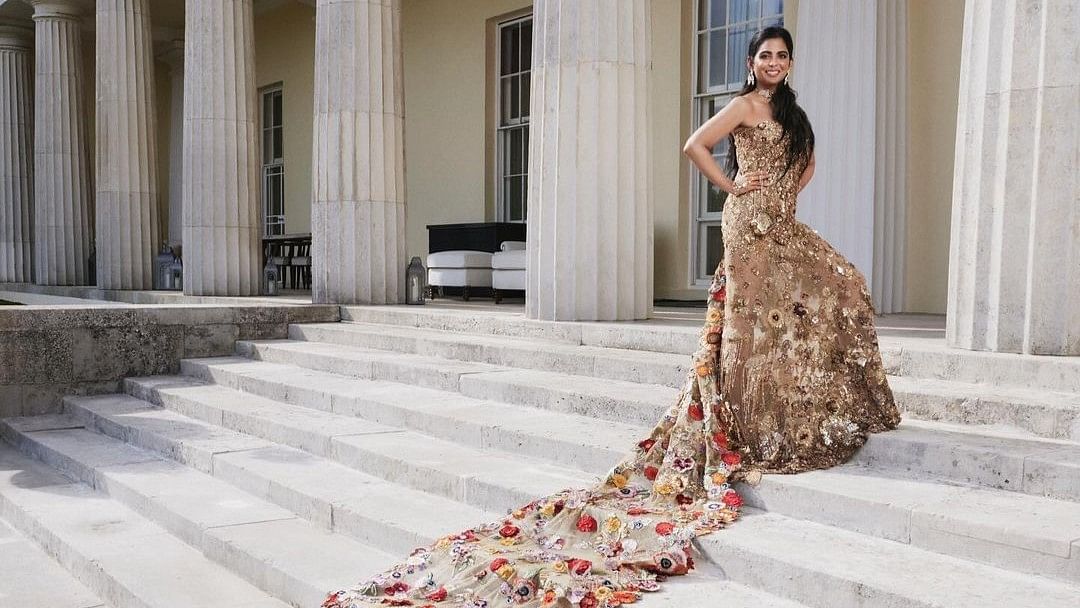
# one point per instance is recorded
(787, 377)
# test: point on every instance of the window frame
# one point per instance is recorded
(273, 224)
(504, 130)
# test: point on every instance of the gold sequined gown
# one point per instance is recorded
(787, 378)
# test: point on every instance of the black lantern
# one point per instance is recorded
(162, 262)
(271, 276)
(174, 279)
(415, 282)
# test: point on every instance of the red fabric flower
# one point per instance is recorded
(696, 412)
(721, 440)
(589, 601)
(497, 563)
(651, 472)
(683, 499)
(731, 458)
(437, 596)
(665, 528)
(635, 511)
(732, 499)
(647, 444)
(586, 523)
(398, 587)
(578, 567)
(720, 294)
(509, 531)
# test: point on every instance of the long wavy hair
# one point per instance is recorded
(786, 111)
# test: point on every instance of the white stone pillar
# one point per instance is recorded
(890, 158)
(127, 205)
(16, 155)
(221, 186)
(590, 226)
(834, 73)
(1014, 263)
(174, 57)
(358, 198)
(63, 206)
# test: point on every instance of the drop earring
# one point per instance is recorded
(750, 78)
(786, 76)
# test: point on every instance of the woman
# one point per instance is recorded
(787, 378)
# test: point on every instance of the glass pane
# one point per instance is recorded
(526, 93)
(515, 204)
(526, 45)
(743, 10)
(515, 98)
(268, 146)
(738, 45)
(279, 194)
(718, 12)
(279, 147)
(505, 118)
(506, 48)
(268, 110)
(714, 197)
(524, 198)
(515, 151)
(772, 7)
(514, 50)
(277, 109)
(703, 62)
(717, 56)
(714, 248)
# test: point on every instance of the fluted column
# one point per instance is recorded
(221, 211)
(358, 199)
(590, 229)
(1014, 261)
(63, 206)
(174, 57)
(16, 155)
(127, 205)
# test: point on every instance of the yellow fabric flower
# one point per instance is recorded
(508, 542)
(612, 525)
(714, 315)
(703, 370)
(519, 514)
(602, 593)
(664, 489)
(559, 566)
(548, 510)
(618, 480)
(505, 572)
(719, 479)
(442, 543)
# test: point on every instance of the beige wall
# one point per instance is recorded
(285, 53)
(935, 29)
(162, 110)
(446, 49)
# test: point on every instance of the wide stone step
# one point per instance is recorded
(451, 361)
(903, 355)
(506, 351)
(31, 578)
(826, 566)
(121, 556)
(966, 454)
(1027, 533)
(380, 514)
(265, 544)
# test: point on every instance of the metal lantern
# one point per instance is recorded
(415, 279)
(162, 262)
(271, 276)
(174, 279)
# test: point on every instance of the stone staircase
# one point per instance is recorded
(304, 465)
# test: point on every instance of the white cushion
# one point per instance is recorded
(508, 279)
(513, 260)
(459, 259)
(459, 277)
(512, 245)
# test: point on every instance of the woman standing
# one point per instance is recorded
(787, 378)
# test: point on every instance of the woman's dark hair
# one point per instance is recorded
(786, 110)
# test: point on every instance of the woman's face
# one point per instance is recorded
(771, 63)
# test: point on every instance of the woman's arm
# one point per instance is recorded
(807, 174)
(698, 148)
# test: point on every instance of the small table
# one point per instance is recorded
(294, 254)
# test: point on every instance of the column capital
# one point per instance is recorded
(14, 36)
(62, 9)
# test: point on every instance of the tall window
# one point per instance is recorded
(724, 28)
(514, 63)
(273, 163)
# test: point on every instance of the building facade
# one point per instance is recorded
(943, 131)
